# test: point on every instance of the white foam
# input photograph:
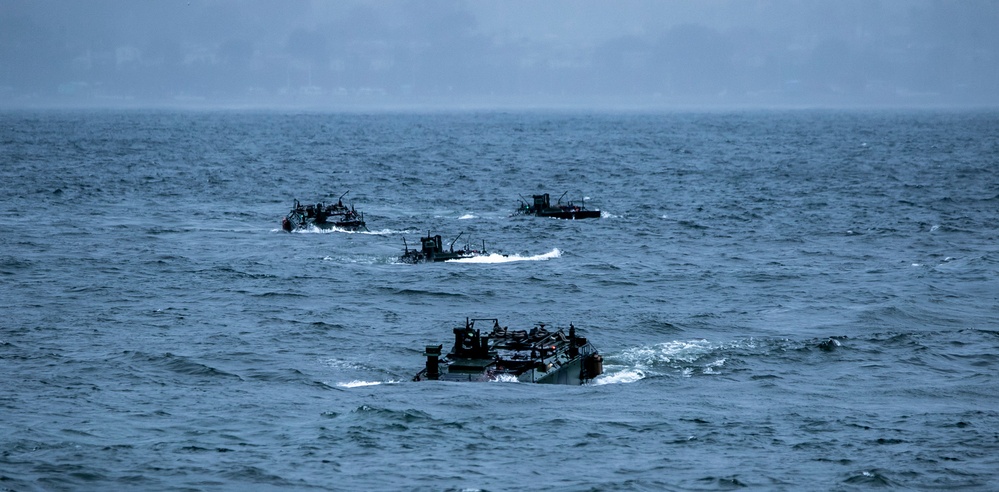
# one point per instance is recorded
(710, 367)
(668, 352)
(358, 384)
(498, 258)
(619, 377)
(383, 232)
(312, 229)
(506, 378)
(356, 260)
(466, 217)
(340, 364)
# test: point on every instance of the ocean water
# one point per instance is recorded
(785, 300)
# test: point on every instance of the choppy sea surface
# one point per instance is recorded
(788, 300)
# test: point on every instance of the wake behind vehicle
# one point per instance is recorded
(536, 356)
(542, 207)
(323, 216)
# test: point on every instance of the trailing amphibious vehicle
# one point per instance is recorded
(542, 207)
(432, 249)
(541, 355)
(323, 216)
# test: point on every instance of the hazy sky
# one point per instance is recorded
(499, 53)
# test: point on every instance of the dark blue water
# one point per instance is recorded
(785, 301)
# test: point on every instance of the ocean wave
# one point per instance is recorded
(179, 364)
(371, 414)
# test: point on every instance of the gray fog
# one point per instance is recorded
(629, 54)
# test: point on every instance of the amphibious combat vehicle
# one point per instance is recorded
(323, 216)
(432, 249)
(542, 207)
(540, 355)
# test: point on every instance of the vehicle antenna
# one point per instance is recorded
(560, 198)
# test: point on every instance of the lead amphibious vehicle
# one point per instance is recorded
(540, 355)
